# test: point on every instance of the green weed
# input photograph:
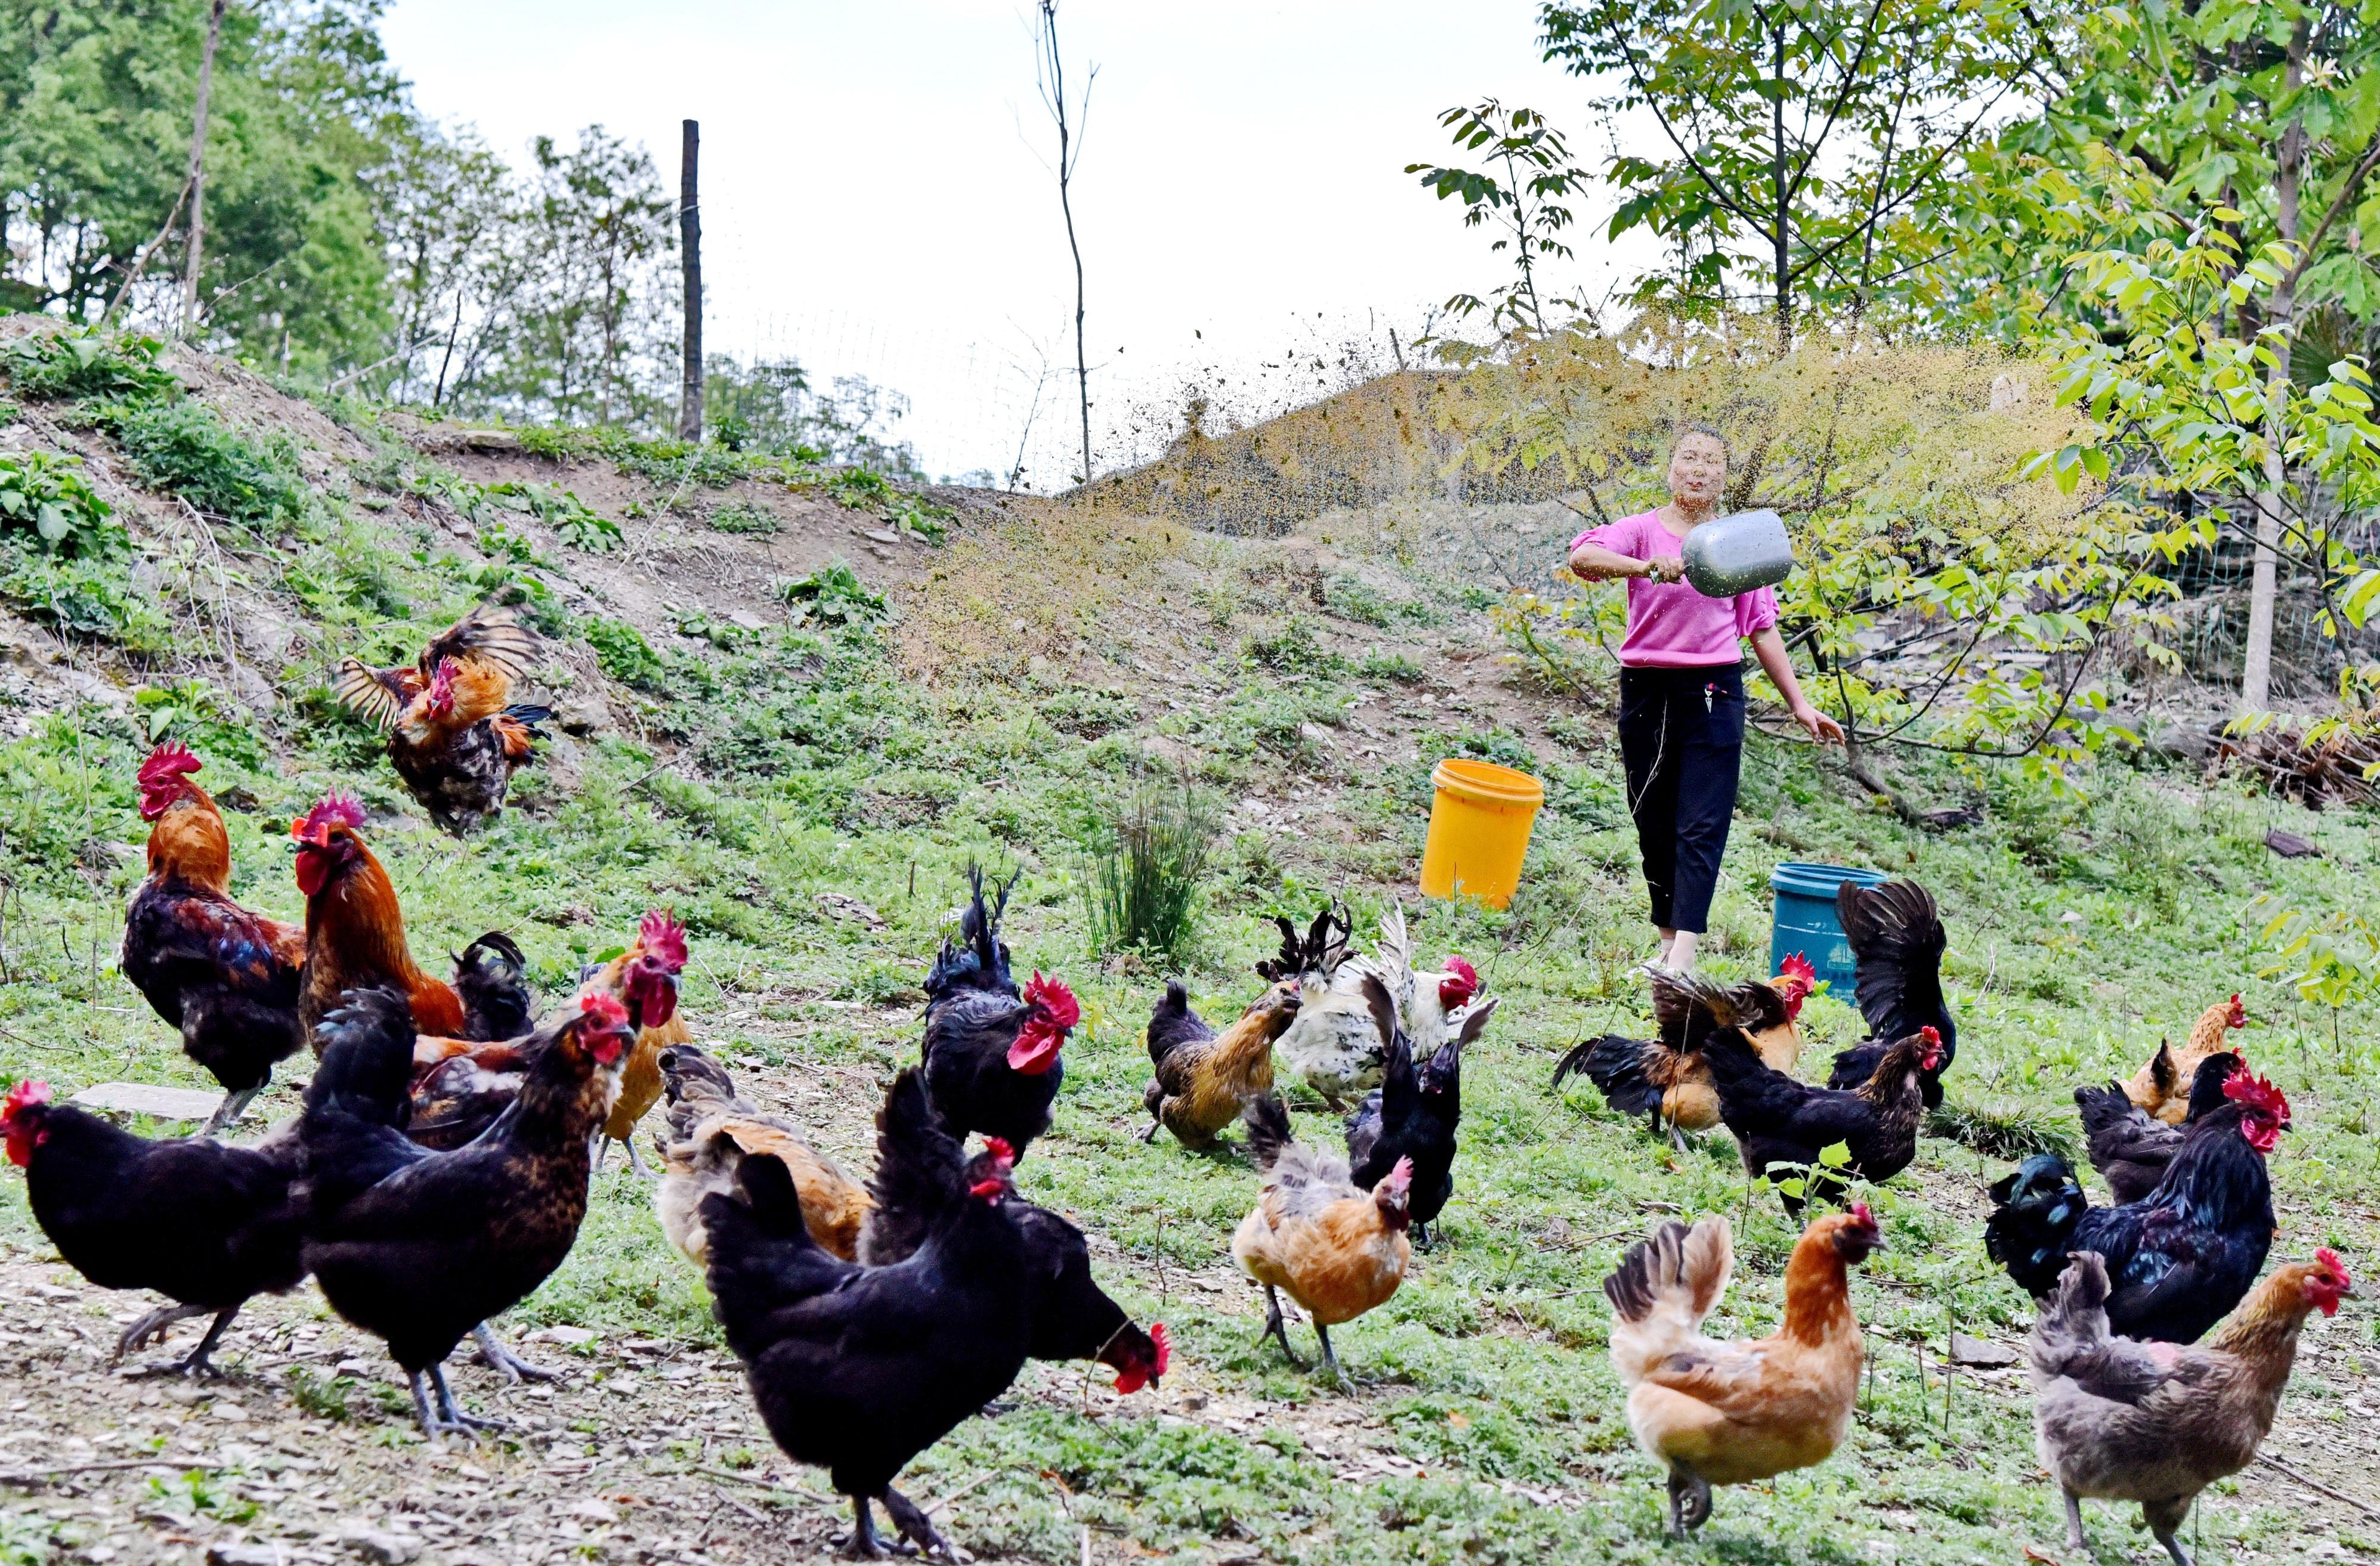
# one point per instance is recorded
(1144, 862)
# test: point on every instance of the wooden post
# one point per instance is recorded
(689, 228)
(198, 171)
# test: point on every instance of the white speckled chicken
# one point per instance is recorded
(1333, 1046)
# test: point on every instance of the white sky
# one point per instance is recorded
(870, 207)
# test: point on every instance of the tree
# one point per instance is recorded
(1521, 192)
(1050, 75)
(1797, 138)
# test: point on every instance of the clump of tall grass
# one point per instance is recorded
(1145, 861)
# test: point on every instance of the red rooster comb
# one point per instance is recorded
(2239, 1017)
(168, 761)
(1931, 1033)
(2258, 1093)
(662, 936)
(1861, 1216)
(2332, 1284)
(1057, 1003)
(1002, 1149)
(2327, 1259)
(337, 808)
(1136, 1374)
(1798, 967)
(24, 1096)
(1401, 1177)
(604, 1011)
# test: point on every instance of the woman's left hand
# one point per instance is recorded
(1823, 729)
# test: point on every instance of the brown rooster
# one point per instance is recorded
(711, 1131)
(1204, 1080)
(225, 977)
(2157, 1422)
(2162, 1087)
(454, 733)
(1665, 1079)
(355, 930)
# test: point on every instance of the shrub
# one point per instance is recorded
(44, 496)
(625, 653)
(743, 517)
(184, 449)
(53, 366)
(832, 595)
(1145, 864)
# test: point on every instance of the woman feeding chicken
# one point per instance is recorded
(1682, 690)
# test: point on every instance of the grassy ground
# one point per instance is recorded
(810, 803)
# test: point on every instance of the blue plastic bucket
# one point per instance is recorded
(1805, 920)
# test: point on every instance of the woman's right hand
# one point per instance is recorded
(1666, 568)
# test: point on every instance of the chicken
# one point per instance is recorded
(1411, 1117)
(355, 938)
(455, 735)
(206, 1224)
(2116, 1419)
(1664, 1078)
(421, 1247)
(1897, 941)
(225, 976)
(1332, 1045)
(1204, 1080)
(1735, 1413)
(1778, 1120)
(660, 947)
(711, 1131)
(859, 1369)
(2162, 1088)
(1338, 1250)
(992, 1052)
(1072, 1316)
(2131, 1148)
(2178, 1259)
(1430, 1006)
(461, 1084)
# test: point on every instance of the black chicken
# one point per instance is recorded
(2131, 1148)
(1777, 1119)
(420, 1247)
(208, 1225)
(1897, 939)
(856, 1369)
(2179, 1259)
(991, 1054)
(1413, 1114)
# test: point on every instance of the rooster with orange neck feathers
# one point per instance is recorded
(225, 976)
(354, 939)
(455, 735)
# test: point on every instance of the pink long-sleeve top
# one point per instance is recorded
(1671, 626)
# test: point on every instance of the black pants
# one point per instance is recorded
(1682, 741)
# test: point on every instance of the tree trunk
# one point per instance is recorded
(198, 171)
(2256, 678)
(689, 230)
(1783, 232)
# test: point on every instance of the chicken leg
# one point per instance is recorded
(445, 1416)
(2165, 1519)
(1275, 1328)
(863, 1544)
(2074, 1539)
(1690, 1502)
(510, 1365)
(152, 1328)
(917, 1527)
(196, 1361)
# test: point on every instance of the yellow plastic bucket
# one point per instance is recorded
(1479, 828)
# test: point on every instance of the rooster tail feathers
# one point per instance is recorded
(1616, 1065)
(1383, 1006)
(1896, 936)
(1676, 1271)
(491, 977)
(1269, 1129)
(687, 1070)
(1396, 956)
(919, 1166)
(1177, 999)
(977, 960)
(367, 1064)
(1698, 993)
